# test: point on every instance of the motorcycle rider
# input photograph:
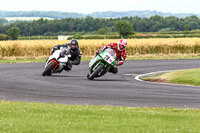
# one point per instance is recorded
(75, 53)
(120, 50)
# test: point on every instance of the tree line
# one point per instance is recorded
(89, 24)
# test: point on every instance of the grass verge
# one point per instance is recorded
(41, 117)
(188, 76)
(30, 59)
(135, 57)
(163, 56)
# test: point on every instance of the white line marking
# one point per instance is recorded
(139, 79)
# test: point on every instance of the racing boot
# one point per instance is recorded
(113, 70)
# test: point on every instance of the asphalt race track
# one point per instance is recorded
(23, 82)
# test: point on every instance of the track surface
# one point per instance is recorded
(23, 82)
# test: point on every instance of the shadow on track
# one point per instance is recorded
(59, 76)
(104, 80)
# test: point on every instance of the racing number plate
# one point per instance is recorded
(108, 58)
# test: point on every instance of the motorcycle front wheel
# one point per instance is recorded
(48, 69)
(95, 72)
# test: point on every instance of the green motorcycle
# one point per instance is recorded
(101, 63)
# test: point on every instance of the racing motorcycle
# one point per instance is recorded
(57, 61)
(100, 64)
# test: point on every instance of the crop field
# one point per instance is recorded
(88, 47)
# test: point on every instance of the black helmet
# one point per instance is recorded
(74, 44)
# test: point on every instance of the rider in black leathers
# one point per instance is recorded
(75, 52)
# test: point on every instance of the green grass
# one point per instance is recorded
(189, 77)
(30, 60)
(40, 118)
(163, 56)
(21, 60)
(136, 57)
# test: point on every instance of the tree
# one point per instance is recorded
(124, 28)
(187, 26)
(3, 37)
(77, 36)
(3, 21)
(103, 31)
(13, 33)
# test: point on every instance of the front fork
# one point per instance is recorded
(97, 64)
(55, 65)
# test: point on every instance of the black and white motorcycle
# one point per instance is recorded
(57, 61)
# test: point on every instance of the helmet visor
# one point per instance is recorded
(73, 47)
(121, 47)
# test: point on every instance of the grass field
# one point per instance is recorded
(40, 117)
(188, 76)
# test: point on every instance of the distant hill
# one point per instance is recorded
(142, 14)
(46, 14)
(108, 14)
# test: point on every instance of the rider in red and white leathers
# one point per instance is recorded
(120, 50)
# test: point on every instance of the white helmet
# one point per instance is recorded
(122, 44)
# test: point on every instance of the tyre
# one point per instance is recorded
(47, 71)
(95, 72)
(88, 75)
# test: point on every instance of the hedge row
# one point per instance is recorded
(38, 38)
(135, 36)
(3, 37)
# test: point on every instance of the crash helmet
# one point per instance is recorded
(74, 44)
(122, 44)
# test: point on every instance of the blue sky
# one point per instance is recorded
(89, 6)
